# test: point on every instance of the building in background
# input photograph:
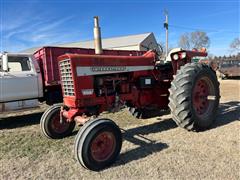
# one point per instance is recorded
(142, 42)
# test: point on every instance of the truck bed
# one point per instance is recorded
(47, 60)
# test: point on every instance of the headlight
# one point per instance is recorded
(175, 57)
(183, 55)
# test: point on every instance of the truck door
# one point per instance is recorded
(20, 81)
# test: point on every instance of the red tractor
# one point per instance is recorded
(92, 84)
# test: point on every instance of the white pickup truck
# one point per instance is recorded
(20, 82)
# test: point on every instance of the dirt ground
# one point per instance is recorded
(152, 149)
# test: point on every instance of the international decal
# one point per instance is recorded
(108, 68)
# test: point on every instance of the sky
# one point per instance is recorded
(31, 23)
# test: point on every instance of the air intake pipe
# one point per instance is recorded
(97, 36)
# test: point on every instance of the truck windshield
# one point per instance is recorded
(18, 63)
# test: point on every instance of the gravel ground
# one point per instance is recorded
(152, 149)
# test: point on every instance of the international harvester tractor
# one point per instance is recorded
(92, 84)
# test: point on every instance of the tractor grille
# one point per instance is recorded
(66, 75)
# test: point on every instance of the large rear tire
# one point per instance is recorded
(50, 124)
(98, 144)
(194, 97)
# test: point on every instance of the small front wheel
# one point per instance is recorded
(50, 124)
(98, 144)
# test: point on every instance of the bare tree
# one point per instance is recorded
(184, 41)
(197, 39)
(235, 45)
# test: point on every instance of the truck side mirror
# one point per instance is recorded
(5, 63)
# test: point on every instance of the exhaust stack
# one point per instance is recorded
(97, 36)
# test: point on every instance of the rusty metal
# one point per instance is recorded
(230, 68)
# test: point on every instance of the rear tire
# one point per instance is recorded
(50, 124)
(194, 97)
(98, 144)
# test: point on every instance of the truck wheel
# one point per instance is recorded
(98, 144)
(50, 124)
(194, 97)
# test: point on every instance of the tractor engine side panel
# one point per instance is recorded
(94, 84)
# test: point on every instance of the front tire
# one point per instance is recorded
(50, 124)
(194, 97)
(98, 144)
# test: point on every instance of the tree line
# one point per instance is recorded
(199, 39)
(228, 58)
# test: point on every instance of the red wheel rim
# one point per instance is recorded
(201, 92)
(57, 126)
(103, 146)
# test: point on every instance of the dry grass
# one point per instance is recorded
(152, 149)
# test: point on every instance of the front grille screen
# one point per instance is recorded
(66, 76)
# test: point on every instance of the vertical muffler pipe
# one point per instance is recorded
(97, 36)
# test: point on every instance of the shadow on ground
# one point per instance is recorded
(232, 78)
(20, 121)
(145, 146)
(228, 112)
